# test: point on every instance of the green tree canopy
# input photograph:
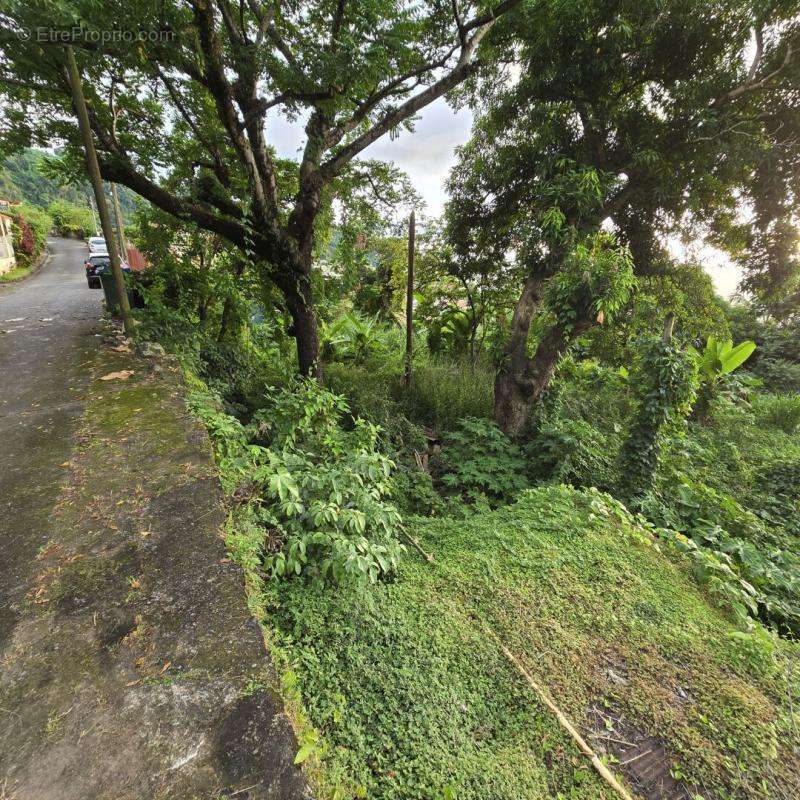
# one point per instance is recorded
(643, 118)
(181, 105)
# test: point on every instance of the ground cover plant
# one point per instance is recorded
(412, 697)
(400, 689)
(334, 491)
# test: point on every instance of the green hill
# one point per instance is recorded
(22, 178)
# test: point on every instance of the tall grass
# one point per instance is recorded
(444, 391)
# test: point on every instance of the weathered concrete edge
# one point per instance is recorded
(173, 697)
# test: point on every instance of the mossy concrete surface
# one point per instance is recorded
(129, 664)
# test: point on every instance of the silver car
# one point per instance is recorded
(97, 244)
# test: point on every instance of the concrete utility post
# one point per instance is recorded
(94, 216)
(410, 301)
(93, 168)
(123, 248)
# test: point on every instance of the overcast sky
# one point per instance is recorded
(427, 155)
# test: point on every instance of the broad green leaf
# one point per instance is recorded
(737, 356)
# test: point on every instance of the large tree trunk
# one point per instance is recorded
(522, 380)
(510, 391)
(300, 302)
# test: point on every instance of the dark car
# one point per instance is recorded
(95, 264)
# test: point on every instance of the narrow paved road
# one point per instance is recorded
(47, 331)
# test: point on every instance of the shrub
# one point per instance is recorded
(715, 521)
(368, 391)
(25, 245)
(30, 229)
(354, 338)
(318, 494)
(479, 461)
(777, 500)
(666, 383)
(70, 219)
(779, 410)
(574, 452)
(778, 375)
(243, 371)
(414, 493)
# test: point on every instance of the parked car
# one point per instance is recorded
(97, 244)
(95, 264)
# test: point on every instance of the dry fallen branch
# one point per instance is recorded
(599, 766)
(415, 542)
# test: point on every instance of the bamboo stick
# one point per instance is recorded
(599, 766)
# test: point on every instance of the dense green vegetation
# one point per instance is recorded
(33, 175)
(30, 227)
(593, 460)
(72, 220)
(395, 686)
(413, 698)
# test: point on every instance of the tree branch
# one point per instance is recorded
(396, 116)
(221, 90)
(220, 170)
(751, 85)
(759, 37)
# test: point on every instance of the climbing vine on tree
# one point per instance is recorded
(666, 384)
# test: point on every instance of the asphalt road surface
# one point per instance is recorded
(48, 329)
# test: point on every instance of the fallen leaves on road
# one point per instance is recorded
(122, 375)
(122, 348)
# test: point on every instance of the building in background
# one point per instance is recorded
(7, 259)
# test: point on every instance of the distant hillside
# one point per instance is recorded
(21, 179)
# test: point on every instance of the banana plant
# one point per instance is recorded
(718, 359)
(721, 358)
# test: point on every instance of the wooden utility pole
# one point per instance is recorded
(93, 168)
(123, 249)
(410, 302)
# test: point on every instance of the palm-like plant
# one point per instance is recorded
(721, 358)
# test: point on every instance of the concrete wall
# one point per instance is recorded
(7, 260)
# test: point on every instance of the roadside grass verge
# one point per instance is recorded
(21, 272)
(16, 274)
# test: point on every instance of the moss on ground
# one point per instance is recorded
(135, 647)
(410, 698)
